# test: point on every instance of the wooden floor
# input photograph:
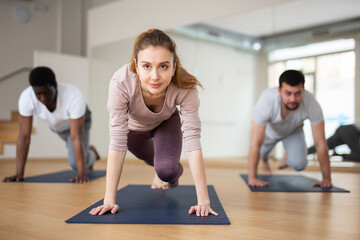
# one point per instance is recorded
(38, 210)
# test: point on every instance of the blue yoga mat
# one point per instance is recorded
(63, 176)
(139, 204)
(289, 183)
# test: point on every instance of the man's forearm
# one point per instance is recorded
(79, 156)
(22, 149)
(324, 161)
(253, 162)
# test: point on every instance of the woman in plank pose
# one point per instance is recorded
(144, 119)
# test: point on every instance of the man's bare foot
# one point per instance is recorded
(92, 147)
(282, 164)
(266, 170)
(159, 184)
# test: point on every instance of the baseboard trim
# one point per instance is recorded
(232, 163)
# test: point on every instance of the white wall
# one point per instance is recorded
(19, 39)
(56, 26)
(60, 28)
(67, 68)
(235, 78)
(126, 18)
(105, 61)
(49, 29)
(228, 76)
(357, 77)
(17, 42)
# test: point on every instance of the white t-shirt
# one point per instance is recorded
(70, 104)
(268, 112)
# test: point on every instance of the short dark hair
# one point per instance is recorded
(41, 76)
(292, 77)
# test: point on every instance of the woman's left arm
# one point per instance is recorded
(196, 163)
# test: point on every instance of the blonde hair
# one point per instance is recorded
(157, 38)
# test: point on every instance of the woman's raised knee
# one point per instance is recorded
(169, 173)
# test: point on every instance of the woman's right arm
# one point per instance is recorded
(113, 172)
(118, 101)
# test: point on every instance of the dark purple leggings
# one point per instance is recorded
(160, 147)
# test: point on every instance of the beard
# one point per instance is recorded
(295, 106)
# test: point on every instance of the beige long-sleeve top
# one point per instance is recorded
(128, 111)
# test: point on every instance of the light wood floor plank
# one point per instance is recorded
(38, 211)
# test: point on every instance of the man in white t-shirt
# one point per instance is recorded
(278, 116)
(62, 106)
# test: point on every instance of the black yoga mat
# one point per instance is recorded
(289, 183)
(63, 176)
(139, 204)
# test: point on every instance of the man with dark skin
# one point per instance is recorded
(278, 116)
(62, 106)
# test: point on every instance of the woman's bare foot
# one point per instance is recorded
(159, 184)
(168, 186)
(93, 148)
(266, 170)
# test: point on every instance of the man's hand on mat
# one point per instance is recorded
(14, 178)
(202, 210)
(100, 210)
(323, 184)
(79, 179)
(254, 182)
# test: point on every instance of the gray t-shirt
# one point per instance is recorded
(268, 112)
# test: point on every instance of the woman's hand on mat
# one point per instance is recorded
(100, 210)
(15, 178)
(254, 182)
(323, 184)
(202, 210)
(79, 179)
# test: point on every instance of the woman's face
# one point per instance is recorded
(155, 68)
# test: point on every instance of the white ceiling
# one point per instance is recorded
(252, 19)
(259, 18)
